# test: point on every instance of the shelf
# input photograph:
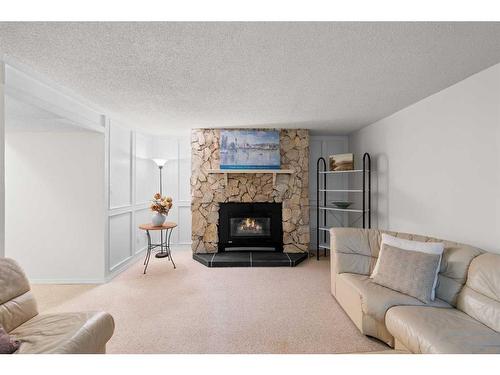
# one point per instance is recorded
(274, 172)
(341, 209)
(325, 203)
(351, 171)
(342, 191)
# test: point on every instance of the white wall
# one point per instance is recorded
(437, 163)
(324, 146)
(133, 180)
(55, 204)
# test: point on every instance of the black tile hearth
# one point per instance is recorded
(250, 259)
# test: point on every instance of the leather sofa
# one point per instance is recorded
(464, 317)
(72, 333)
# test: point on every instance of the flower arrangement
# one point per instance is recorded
(161, 205)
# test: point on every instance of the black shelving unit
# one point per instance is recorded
(322, 206)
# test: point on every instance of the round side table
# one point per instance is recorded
(164, 244)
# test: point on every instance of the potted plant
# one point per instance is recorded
(160, 206)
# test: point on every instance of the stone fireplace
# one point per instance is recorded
(209, 190)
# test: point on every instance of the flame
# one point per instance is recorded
(250, 224)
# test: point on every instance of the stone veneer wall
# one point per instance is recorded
(208, 190)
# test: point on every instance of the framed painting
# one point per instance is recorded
(249, 149)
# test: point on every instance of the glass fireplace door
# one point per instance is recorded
(250, 226)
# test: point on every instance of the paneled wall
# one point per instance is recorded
(133, 180)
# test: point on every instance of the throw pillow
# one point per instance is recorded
(424, 247)
(8, 345)
(408, 272)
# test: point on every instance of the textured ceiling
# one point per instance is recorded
(330, 77)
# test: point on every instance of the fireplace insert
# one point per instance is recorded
(250, 226)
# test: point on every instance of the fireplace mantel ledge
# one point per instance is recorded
(274, 172)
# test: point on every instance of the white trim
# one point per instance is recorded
(124, 261)
(29, 88)
(74, 118)
(120, 210)
(329, 138)
(67, 281)
(106, 196)
(124, 266)
(45, 81)
(121, 207)
(133, 232)
(145, 203)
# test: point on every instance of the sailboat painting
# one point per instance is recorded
(249, 149)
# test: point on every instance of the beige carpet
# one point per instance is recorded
(195, 309)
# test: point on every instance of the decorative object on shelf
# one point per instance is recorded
(341, 162)
(249, 149)
(160, 206)
(321, 195)
(341, 204)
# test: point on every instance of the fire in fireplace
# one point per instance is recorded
(250, 226)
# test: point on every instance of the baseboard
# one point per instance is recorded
(139, 254)
(67, 281)
(123, 266)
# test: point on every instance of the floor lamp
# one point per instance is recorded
(160, 163)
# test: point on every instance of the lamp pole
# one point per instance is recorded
(161, 190)
(160, 163)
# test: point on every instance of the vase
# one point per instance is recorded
(158, 219)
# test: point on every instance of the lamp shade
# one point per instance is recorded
(159, 162)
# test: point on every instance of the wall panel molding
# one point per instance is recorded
(133, 154)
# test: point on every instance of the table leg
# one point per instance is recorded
(168, 247)
(148, 253)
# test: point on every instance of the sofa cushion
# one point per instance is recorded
(409, 272)
(377, 299)
(76, 333)
(424, 247)
(480, 297)
(423, 329)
